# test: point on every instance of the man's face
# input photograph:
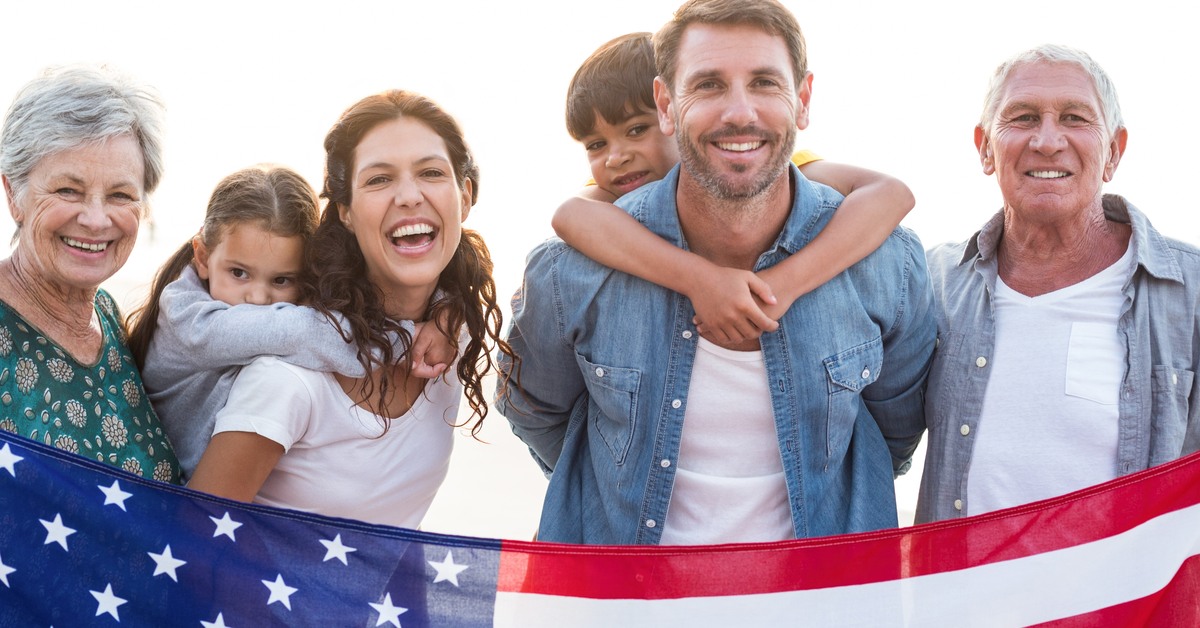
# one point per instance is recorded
(735, 108)
(1049, 146)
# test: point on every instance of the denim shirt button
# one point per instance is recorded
(665, 463)
(981, 361)
(866, 373)
(687, 335)
(599, 372)
(958, 504)
(650, 523)
(965, 429)
(675, 404)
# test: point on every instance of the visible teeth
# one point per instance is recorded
(1048, 174)
(95, 248)
(411, 230)
(740, 146)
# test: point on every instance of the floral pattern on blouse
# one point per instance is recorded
(99, 411)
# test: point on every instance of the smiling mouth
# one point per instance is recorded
(1048, 174)
(94, 247)
(412, 236)
(739, 147)
(632, 177)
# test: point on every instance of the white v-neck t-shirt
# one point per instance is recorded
(1049, 422)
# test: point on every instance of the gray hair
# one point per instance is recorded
(70, 106)
(1053, 53)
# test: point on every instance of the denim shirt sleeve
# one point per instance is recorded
(538, 392)
(897, 398)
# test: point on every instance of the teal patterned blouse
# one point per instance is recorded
(96, 410)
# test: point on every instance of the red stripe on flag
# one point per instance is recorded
(606, 572)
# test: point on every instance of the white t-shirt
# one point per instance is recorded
(1049, 422)
(335, 460)
(729, 484)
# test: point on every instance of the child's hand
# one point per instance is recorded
(776, 277)
(727, 303)
(432, 352)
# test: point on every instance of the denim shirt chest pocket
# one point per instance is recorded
(612, 404)
(849, 372)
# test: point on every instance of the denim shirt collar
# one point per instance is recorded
(654, 205)
(1150, 249)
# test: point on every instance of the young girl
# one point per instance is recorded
(390, 246)
(194, 331)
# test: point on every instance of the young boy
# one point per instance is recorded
(611, 111)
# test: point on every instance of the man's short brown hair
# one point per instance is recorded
(769, 15)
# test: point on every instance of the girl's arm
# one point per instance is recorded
(197, 332)
(874, 205)
(724, 298)
(235, 465)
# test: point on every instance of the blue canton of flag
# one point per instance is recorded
(86, 544)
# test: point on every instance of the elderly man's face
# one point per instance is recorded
(735, 108)
(1049, 146)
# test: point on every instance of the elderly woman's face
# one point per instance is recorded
(80, 211)
(1049, 145)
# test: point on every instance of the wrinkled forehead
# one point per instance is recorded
(1041, 83)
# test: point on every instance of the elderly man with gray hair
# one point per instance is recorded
(1067, 326)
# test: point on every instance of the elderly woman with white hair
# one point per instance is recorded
(80, 152)
(1068, 327)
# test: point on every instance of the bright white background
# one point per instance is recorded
(898, 88)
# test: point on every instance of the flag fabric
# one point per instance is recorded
(86, 544)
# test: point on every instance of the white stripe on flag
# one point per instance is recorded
(1020, 592)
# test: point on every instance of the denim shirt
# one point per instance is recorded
(1159, 326)
(606, 361)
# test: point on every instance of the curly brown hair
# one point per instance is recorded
(335, 267)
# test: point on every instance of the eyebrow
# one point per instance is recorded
(422, 160)
(1068, 104)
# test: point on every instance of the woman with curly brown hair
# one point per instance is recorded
(399, 181)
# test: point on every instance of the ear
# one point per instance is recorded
(984, 145)
(344, 216)
(468, 188)
(662, 101)
(200, 254)
(803, 96)
(1115, 150)
(17, 216)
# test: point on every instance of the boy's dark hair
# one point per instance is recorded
(616, 82)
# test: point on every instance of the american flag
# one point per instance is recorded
(85, 544)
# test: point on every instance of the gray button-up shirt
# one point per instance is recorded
(1159, 326)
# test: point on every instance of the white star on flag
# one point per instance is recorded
(9, 460)
(387, 612)
(166, 563)
(114, 495)
(335, 549)
(56, 532)
(219, 622)
(4, 571)
(280, 591)
(107, 602)
(225, 526)
(447, 569)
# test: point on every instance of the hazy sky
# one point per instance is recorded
(898, 87)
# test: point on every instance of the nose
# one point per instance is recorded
(94, 215)
(1049, 138)
(739, 108)
(408, 192)
(257, 295)
(617, 155)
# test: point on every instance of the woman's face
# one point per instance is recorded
(80, 212)
(406, 211)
